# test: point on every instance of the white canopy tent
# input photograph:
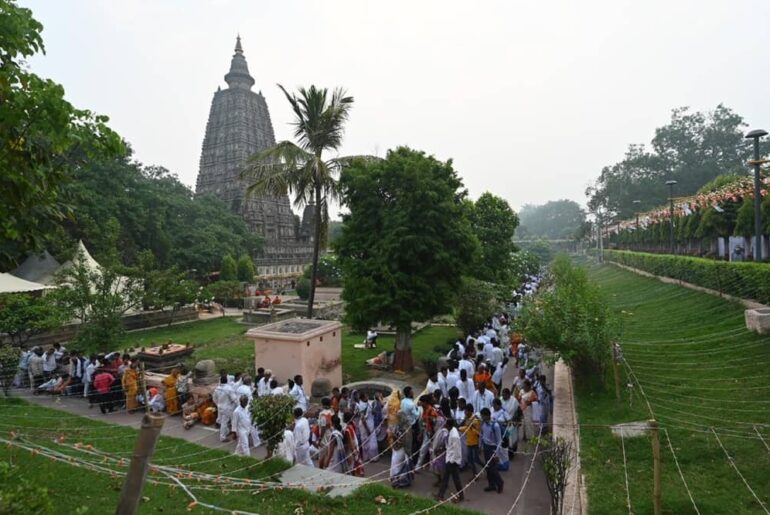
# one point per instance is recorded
(12, 284)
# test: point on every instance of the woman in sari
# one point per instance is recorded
(527, 399)
(440, 437)
(379, 421)
(334, 458)
(367, 429)
(401, 472)
(130, 383)
(393, 407)
(324, 428)
(353, 466)
(172, 401)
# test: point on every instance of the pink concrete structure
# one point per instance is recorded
(312, 348)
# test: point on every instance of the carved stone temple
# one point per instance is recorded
(238, 126)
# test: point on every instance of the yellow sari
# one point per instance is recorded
(172, 401)
(130, 388)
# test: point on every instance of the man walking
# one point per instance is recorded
(242, 427)
(491, 439)
(454, 459)
(301, 439)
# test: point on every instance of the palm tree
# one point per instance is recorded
(300, 169)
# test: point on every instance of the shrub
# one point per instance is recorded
(229, 269)
(272, 413)
(743, 280)
(303, 288)
(245, 269)
(572, 319)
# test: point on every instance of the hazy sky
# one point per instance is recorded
(530, 99)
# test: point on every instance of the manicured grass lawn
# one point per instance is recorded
(424, 345)
(700, 369)
(220, 339)
(223, 340)
(71, 488)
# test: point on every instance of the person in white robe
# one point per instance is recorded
(242, 426)
(225, 399)
(301, 439)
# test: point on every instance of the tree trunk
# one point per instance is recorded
(316, 251)
(402, 361)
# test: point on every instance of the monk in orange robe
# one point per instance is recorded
(172, 400)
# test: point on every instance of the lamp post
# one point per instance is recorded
(756, 134)
(671, 185)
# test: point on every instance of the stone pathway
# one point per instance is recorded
(534, 499)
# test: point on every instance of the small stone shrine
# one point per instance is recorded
(311, 348)
(164, 357)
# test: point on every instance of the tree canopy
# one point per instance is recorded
(556, 219)
(43, 140)
(405, 244)
(493, 222)
(692, 149)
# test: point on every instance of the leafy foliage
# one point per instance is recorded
(152, 211)
(245, 269)
(23, 315)
(572, 319)
(301, 168)
(272, 413)
(556, 219)
(475, 301)
(524, 264)
(744, 280)
(99, 298)
(494, 223)
(328, 272)
(228, 271)
(43, 139)
(17, 495)
(405, 244)
(694, 148)
(303, 288)
(9, 360)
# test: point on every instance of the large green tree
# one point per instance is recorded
(405, 243)
(494, 224)
(43, 139)
(693, 149)
(152, 210)
(303, 168)
(556, 219)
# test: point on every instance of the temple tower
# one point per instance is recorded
(238, 126)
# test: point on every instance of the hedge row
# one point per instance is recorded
(743, 280)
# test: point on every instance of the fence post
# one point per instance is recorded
(653, 424)
(616, 370)
(140, 462)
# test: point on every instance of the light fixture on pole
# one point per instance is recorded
(671, 185)
(756, 134)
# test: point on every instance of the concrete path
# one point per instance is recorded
(534, 499)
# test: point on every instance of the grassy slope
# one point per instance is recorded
(223, 340)
(699, 369)
(71, 488)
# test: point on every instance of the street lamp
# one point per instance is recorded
(756, 134)
(671, 185)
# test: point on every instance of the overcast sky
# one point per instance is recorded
(530, 99)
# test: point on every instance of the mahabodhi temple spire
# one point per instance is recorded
(239, 126)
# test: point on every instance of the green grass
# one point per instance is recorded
(424, 345)
(220, 339)
(71, 488)
(223, 340)
(700, 369)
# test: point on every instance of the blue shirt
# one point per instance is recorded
(490, 433)
(409, 409)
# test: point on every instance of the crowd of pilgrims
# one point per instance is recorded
(465, 418)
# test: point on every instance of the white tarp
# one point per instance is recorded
(12, 284)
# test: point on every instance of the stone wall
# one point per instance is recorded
(136, 321)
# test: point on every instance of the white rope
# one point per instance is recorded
(732, 462)
(625, 473)
(529, 472)
(689, 493)
(761, 438)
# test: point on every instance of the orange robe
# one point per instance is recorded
(172, 401)
(130, 388)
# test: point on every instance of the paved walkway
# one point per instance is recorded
(534, 499)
